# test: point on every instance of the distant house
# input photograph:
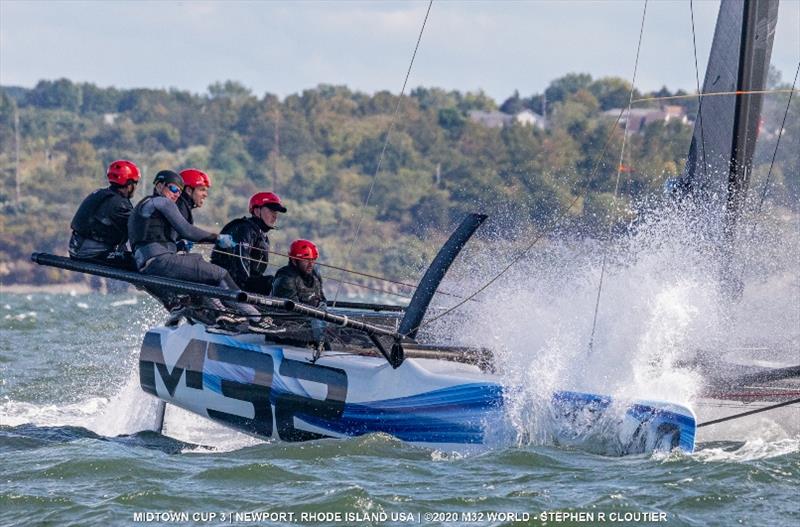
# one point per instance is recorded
(490, 119)
(500, 119)
(110, 118)
(529, 118)
(638, 118)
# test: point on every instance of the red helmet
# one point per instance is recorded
(268, 199)
(303, 250)
(195, 178)
(122, 171)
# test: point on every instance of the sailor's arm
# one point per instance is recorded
(179, 223)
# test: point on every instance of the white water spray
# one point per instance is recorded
(661, 304)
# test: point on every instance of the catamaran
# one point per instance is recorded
(370, 374)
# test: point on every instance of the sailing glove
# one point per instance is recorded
(185, 245)
(226, 241)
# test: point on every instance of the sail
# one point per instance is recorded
(721, 152)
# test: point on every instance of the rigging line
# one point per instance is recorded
(616, 184)
(597, 162)
(751, 412)
(699, 94)
(367, 275)
(712, 94)
(757, 213)
(383, 150)
(326, 277)
(358, 273)
(778, 142)
(376, 289)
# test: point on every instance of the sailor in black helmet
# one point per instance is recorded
(100, 225)
(154, 228)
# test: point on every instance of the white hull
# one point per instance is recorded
(276, 392)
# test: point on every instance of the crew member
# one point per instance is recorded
(155, 226)
(298, 280)
(195, 191)
(247, 262)
(100, 225)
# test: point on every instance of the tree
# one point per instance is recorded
(434, 98)
(513, 104)
(477, 101)
(229, 155)
(99, 100)
(574, 112)
(431, 212)
(231, 90)
(564, 86)
(62, 94)
(8, 109)
(398, 153)
(82, 160)
(452, 120)
(612, 92)
(156, 136)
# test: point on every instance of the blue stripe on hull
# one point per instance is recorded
(457, 414)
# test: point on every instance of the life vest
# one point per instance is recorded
(307, 288)
(155, 229)
(185, 206)
(88, 223)
(251, 231)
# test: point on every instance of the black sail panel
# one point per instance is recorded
(726, 129)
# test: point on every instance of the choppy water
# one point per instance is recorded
(73, 453)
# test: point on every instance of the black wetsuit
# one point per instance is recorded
(247, 262)
(185, 205)
(292, 284)
(100, 228)
(154, 228)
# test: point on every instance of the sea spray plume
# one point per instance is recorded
(662, 302)
(130, 410)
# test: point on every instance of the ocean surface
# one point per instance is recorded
(75, 449)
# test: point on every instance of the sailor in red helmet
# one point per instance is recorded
(195, 191)
(247, 262)
(299, 281)
(100, 225)
(154, 228)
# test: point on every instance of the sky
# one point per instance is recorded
(285, 47)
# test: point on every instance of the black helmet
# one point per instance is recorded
(167, 177)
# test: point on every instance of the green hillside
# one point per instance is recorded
(319, 150)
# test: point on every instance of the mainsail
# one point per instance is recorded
(717, 171)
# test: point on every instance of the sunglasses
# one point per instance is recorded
(173, 188)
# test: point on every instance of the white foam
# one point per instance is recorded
(757, 448)
(21, 316)
(661, 302)
(129, 411)
(127, 302)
